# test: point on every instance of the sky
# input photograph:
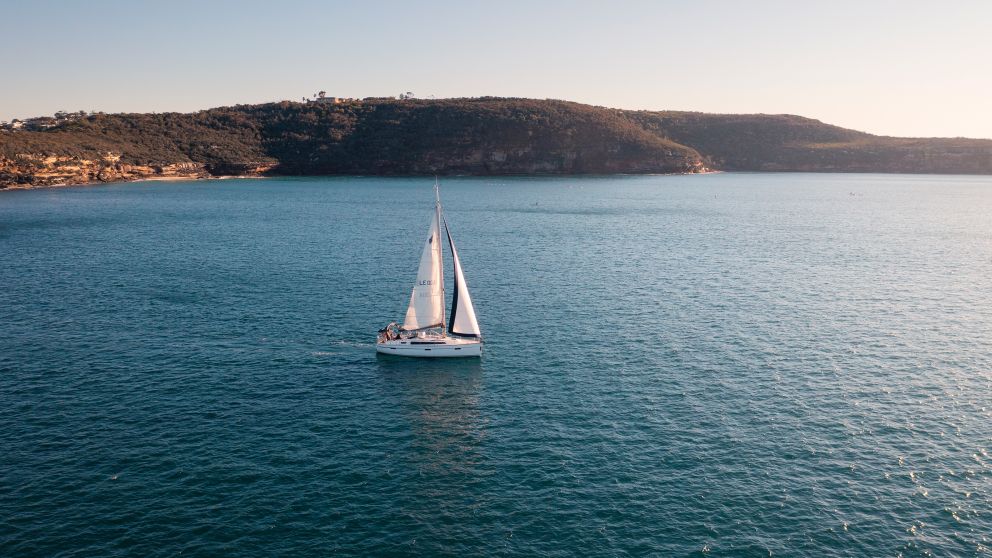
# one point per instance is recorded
(902, 68)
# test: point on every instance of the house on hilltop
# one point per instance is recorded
(322, 97)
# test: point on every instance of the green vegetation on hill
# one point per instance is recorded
(210, 136)
(471, 136)
(759, 142)
(476, 136)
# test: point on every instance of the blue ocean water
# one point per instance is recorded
(718, 365)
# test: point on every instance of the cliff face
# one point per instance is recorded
(455, 136)
(32, 170)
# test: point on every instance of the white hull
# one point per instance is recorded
(431, 347)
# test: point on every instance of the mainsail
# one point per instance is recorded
(427, 300)
(462, 322)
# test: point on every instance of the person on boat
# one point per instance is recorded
(388, 333)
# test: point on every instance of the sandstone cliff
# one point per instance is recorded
(34, 170)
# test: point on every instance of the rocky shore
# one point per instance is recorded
(26, 171)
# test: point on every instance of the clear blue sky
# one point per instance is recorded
(908, 68)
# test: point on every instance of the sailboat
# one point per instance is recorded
(425, 332)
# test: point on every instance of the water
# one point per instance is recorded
(722, 365)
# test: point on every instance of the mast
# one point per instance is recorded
(440, 252)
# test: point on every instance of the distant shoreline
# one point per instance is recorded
(21, 187)
(492, 176)
(130, 181)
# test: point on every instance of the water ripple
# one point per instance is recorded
(722, 365)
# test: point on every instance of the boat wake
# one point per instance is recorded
(344, 344)
(355, 344)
